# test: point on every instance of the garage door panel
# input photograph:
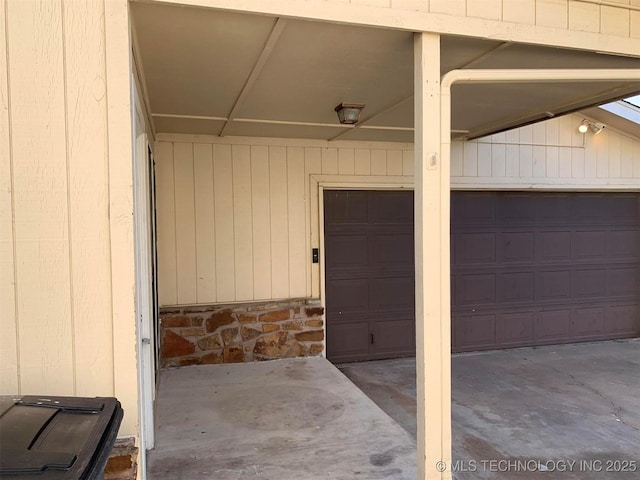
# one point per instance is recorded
(553, 246)
(392, 292)
(391, 208)
(347, 294)
(395, 337)
(589, 283)
(553, 285)
(516, 209)
(552, 326)
(514, 329)
(473, 209)
(624, 244)
(346, 208)
(516, 287)
(394, 249)
(589, 322)
(348, 250)
(624, 320)
(590, 208)
(623, 281)
(515, 247)
(474, 332)
(475, 289)
(622, 209)
(473, 248)
(590, 245)
(348, 341)
(553, 209)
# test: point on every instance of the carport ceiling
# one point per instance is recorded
(223, 73)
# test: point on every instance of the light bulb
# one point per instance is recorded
(583, 128)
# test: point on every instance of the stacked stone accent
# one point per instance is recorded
(241, 333)
(122, 463)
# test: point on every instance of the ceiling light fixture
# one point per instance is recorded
(596, 127)
(349, 113)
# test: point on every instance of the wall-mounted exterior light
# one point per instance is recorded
(349, 113)
(595, 127)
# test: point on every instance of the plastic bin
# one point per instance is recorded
(57, 438)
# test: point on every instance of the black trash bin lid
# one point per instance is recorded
(56, 438)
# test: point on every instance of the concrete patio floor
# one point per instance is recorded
(549, 406)
(295, 419)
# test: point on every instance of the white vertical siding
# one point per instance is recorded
(66, 222)
(40, 190)
(185, 222)
(261, 221)
(298, 253)
(9, 370)
(223, 217)
(547, 154)
(256, 215)
(571, 23)
(165, 207)
(609, 17)
(204, 223)
(257, 205)
(87, 193)
(279, 221)
(242, 220)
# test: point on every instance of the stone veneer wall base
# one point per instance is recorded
(241, 332)
(122, 463)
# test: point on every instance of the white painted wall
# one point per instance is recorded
(238, 217)
(67, 324)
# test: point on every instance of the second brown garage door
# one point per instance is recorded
(543, 268)
(527, 269)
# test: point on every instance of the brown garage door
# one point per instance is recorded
(369, 274)
(542, 268)
(527, 269)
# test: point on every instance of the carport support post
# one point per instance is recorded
(433, 311)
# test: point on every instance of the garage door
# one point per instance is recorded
(369, 275)
(527, 269)
(538, 268)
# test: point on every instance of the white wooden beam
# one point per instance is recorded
(418, 21)
(433, 311)
(255, 72)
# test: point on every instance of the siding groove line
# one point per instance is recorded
(204, 222)
(195, 213)
(175, 215)
(11, 217)
(68, 175)
(286, 170)
(213, 220)
(108, 166)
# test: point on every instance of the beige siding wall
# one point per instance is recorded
(610, 17)
(65, 162)
(551, 154)
(600, 25)
(237, 218)
(234, 218)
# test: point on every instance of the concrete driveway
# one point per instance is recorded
(559, 412)
(290, 419)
